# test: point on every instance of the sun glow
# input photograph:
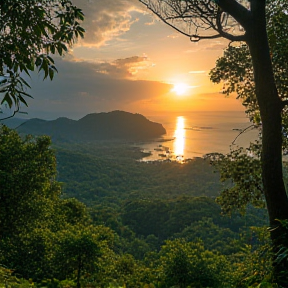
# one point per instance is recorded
(180, 88)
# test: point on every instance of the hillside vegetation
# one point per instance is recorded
(106, 219)
(102, 171)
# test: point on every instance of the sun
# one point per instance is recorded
(180, 88)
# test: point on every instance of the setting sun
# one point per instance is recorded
(180, 88)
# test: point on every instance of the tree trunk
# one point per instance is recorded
(270, 110)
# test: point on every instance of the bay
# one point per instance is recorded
(194, 134)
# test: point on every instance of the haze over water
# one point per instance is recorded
(195, 134)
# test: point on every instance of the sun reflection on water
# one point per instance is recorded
(179, 134)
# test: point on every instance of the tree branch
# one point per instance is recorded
(210, 15)
(197, 38)
(237, 11)
(243, 131)
(14, 112)
(233, 38)
(224, 34)
(164, 20)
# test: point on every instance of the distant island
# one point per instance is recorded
(115, 125)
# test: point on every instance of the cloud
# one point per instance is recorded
(107, 19)
(80, 88)
(152, 22)
(173, 36)
(217, 45)
(131, 66)
(120, 68)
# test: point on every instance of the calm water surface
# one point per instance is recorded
(197, 133)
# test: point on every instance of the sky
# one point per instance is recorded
(131, 61)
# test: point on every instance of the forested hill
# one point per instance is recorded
(97, 126)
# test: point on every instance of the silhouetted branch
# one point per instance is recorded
(204, 15)
(224, 34)
(14, 112)
(243, 131)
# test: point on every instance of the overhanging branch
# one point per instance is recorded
(202, 15)
(164, 20)
(13, 114)
(197, 38)
(233, 38)
(243, 131)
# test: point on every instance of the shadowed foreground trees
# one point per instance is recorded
(29, 190)
(60, 243)
(244, 21)
(188, 264)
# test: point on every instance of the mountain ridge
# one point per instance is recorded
(114, 125)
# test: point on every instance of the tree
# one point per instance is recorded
(29, 202)
(253, 263)
(73, 211)
(80, 248)
(9, 280)
(28, 188)
(30, 253)
(186, 264)
(30, 32)
(244, 21)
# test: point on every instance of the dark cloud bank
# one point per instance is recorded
(80, 88)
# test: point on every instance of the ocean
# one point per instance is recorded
(195, 134)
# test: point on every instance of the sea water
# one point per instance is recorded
(195, 134)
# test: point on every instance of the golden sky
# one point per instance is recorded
(130, 61)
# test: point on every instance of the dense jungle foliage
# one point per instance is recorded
(114, 173)
(134, 224)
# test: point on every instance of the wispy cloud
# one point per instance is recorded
(217, 45)
(126, 68)
(173, 36)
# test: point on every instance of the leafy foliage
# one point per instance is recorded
(234, 69)
(215, 237)
(253, 262)
(27, 180)
(30, 32)
(109, 172)
(244, 170)
(62, 243)
(9, 280)
(189, 264)
(79, 250)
